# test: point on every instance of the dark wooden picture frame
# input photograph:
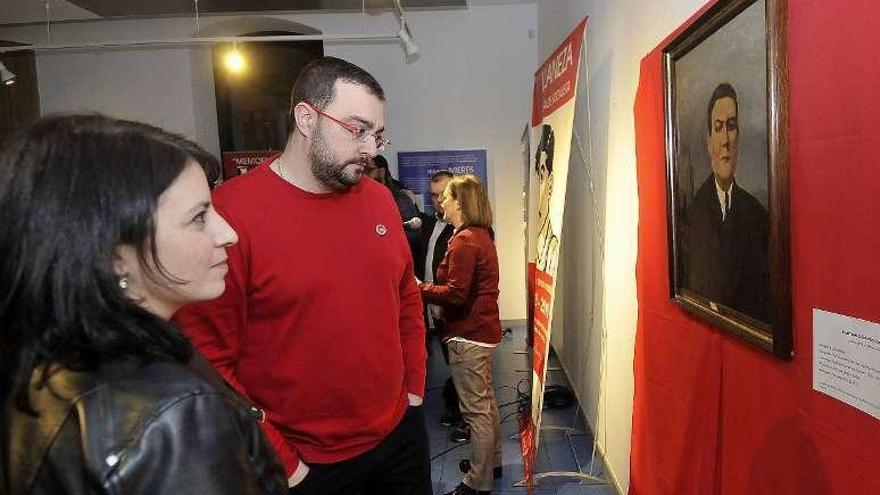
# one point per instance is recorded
(729, 229)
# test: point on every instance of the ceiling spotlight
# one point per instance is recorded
(410, 48)
(6, 75)
(235, 62)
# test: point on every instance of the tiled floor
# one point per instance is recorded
(557, 452)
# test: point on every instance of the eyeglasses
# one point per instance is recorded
(358, 133)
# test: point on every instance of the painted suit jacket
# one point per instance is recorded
(727, 261)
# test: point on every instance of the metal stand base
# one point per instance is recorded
(583, 478)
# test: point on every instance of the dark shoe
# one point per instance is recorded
(465, 465)
(449, 419)
(463, 489)
(461, 433)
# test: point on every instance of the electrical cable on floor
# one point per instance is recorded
(449, 449)
(508, 416)
(555, 397)
(522, 403)
(500, 406)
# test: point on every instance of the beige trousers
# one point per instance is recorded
(471, 369)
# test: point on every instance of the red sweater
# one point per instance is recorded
(466, 286)
(321, 322)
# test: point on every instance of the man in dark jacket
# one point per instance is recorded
(431, 248)
(435, 232)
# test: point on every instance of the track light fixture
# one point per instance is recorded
(410, 48)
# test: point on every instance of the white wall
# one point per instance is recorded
(147, 85)
(470, 88)
(600, 237)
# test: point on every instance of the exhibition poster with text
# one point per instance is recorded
(414, 170)
(553, 103)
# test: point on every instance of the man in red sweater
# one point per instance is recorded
(321, 324)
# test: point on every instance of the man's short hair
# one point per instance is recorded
(723, 90)
(317, 81)
(441, 175)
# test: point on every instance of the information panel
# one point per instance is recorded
(846, 360)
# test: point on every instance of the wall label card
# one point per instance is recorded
(846, 360)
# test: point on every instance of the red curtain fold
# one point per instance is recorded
(712, 415)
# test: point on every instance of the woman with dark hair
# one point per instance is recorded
(106, 229)
(466, 287)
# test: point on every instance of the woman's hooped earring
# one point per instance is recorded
(123, 283)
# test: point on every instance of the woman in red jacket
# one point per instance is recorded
(466, 287)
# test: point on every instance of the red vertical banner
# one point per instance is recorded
(553, 103)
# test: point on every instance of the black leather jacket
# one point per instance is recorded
(159, 428)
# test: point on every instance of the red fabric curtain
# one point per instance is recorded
(711, 414)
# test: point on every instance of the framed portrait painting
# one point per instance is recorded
(727, 162)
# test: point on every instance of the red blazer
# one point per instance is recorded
(466, 286)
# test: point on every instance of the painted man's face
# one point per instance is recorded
(722, 140)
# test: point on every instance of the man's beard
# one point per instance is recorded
(327, 170)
